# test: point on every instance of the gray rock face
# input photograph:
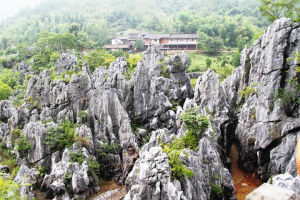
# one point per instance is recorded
(67, 61)
(6, 111)
(67, 175)
(155, 84)
(36, 134)
(23, 67)
(150, 178)
(270, 192)
(267, 125)
(286, 181)
(26, 178)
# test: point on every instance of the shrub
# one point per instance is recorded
(179, 170)
(61, 136)
(22, 145)
(9, 190)
(94, 167)
(98, 58)
(196, 125)
(68, 179)
(76, 157)
(5, 91)
(194, 122)
(247, 91)
(132, 62)
(216, 192)
(83, 116)
(208, 62)
(106, 148)
(164, 72)
(42, 171)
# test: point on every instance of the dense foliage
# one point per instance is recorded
(9, 190)
(61, 136)
(273, 9)
(94, 23)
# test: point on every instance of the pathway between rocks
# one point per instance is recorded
(109, 190)
(244, 183)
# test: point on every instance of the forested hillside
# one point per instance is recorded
(100, 20)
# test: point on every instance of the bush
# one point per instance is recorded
(132, 62)
(83, 116)
(194, 122)
(22, 145)
(9, 190)
(61, 136)
(98, 58)
(216, 192)
(106, 148)
(68, 179)
(196, 125)
(5, 91)
(248, 91)
(179, 170)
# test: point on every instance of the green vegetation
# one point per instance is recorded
(248, 91)
(196, 126)
(98, 58)
(106, 148)
(216, 192)
(83, 116)
(132, 61)
(5, 91)
(94, 167)
(22, 145)
(68, 179)
(42, 171)
(62, 136)
(273, 9)
(9, 190)
(222, 64)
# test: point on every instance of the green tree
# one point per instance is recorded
(139, 45)
(208, 62)
(273, 9)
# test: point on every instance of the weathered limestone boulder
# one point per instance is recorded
(150, 178)
(6, 111)
(286, 181)
(68, 176)
(67, 61)
(26, 178)
(267, 125)
(156, 83)
(36, 134)
(23, 67)
(271, 192)
(38, 89)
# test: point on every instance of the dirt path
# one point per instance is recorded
(244, 183)
(109, 190)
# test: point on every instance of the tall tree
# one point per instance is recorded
(273, 9)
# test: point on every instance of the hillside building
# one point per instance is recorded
(172, 41)
(166, 42)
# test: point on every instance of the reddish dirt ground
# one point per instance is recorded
(244, 183)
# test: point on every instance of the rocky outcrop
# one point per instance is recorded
(27, 178)
(269, 192)
(267, 122)
(67, 61)
(286, 181)
(156, 84)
